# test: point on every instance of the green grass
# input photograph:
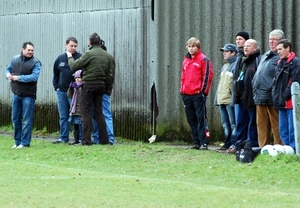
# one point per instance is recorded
(135, 174)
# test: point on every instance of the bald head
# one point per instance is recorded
(250, 47)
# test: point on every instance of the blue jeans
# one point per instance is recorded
(286, 127)
(63, 104)
(228, 124)
(246, 128)
(242, 121)
(22, 118)
(108, 120)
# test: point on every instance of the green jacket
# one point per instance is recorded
(96, 65)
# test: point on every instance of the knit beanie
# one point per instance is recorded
(243, 34)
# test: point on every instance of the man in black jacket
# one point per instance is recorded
(287, 72)
(246, 122)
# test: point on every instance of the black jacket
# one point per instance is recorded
(62, 74)
(287, 72)
(250, 63)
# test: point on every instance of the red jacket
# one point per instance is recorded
(196, 74)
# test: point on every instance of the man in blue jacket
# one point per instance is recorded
(62, 77)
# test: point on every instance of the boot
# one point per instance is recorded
(76, 137)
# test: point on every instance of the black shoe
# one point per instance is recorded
(203, 147)
(74, 143)
(88, 144)
(195, 146)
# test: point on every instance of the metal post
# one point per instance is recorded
(295, 89)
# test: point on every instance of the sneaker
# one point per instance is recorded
(20, 146)
(58, 142)
(231, 150)
(203, 147)
(195, 146)
(221, 150)
(15, 146)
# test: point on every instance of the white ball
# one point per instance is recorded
(279, 148)
(265, 149)
(273, 151)
(289, 150)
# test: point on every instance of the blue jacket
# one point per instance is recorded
(62, 74)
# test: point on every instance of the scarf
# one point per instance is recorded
(74, 97)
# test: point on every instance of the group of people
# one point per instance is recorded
(253, 93)
(83, 84)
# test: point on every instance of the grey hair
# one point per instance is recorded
(277, 32)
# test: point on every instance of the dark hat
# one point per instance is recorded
(243, 34)
(229, 47)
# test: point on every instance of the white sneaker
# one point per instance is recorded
(15, 146)
(20, 146)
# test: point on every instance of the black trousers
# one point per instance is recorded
(91, 95)
(195, 113)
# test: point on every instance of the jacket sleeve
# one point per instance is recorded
(55, 75)
(207, 75)
(110, 80)
(79, 63)
(295, 77)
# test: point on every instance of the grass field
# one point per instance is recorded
(135, 174)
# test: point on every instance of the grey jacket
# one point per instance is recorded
(263, 79)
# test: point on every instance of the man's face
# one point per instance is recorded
(71, 47)
(192, 49)
(283, 52)
(28, 51)
(240, 41)
(249, 48)
(273, 40)
(228, 54)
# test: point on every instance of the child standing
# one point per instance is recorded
(74, 92)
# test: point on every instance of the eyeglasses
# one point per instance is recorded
(273, 39)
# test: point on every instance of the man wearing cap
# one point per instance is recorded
(224, 95)
(266, 114)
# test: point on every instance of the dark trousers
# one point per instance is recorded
(245, 125)
(195, 112)
(91, 95)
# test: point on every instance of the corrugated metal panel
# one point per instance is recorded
(146, 51)
(214, 22)
(123, 24)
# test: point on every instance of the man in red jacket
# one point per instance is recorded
(196, 78)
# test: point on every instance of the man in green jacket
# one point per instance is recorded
(96, 65)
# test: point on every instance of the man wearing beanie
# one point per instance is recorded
(240, 113)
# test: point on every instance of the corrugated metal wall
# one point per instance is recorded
(215, 23)
(122, 24)
(146, 51)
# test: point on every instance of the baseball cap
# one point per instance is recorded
(229, 47)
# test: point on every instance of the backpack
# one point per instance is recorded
(245, 152)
